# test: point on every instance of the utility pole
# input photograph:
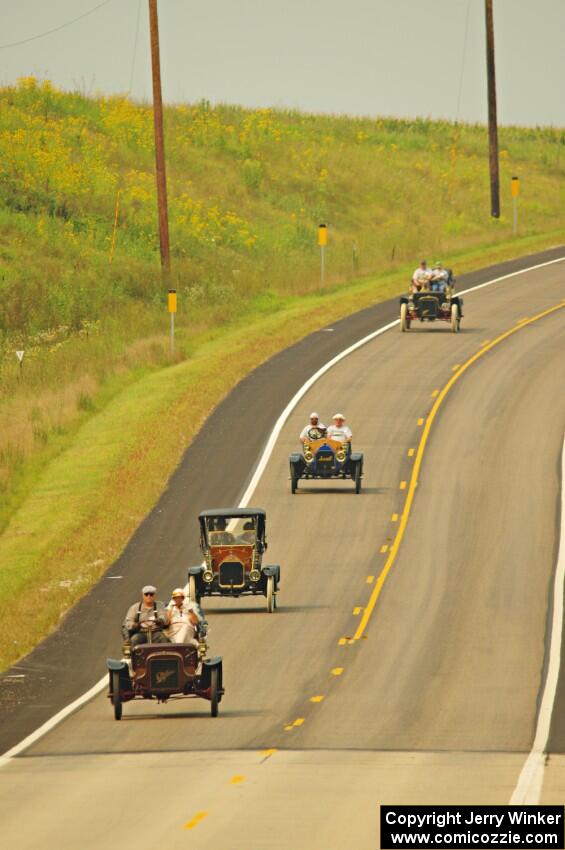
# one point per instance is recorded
(492, 123)
(159, 142)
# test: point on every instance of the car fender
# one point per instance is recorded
(295, 458)
(272, 570)
(196, 571)
(116, 666)
(356, 457)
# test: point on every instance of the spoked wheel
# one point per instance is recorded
(271, 601)
(116, 699)
(358, 478)
(192, 591)
(404, 320)
(214, 695)
(455, 320)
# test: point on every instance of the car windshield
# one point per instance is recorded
(231, 531)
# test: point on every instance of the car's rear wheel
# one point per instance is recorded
(271, 604)
(214, 691)
(455, 318)
(358, 477)
(404, 320)
(116, 699)
(193, 594)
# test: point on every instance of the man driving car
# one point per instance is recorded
(313, 423)
(144, 621)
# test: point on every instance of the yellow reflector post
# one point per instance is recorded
(322, 235)
(515, 187)
(172, 301)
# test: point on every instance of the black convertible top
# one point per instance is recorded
(235, 512)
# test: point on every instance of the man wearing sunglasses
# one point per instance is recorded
(145, 620)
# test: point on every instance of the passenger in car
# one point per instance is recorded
(183, 619)
(439, 278)
(339, 430)
(313, 423)
(217, 534)
(248, 534)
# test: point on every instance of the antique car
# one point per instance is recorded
(163, 670)
(324, 457)
(233, 543)
(428, 305)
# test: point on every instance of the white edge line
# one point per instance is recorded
(530, 782)
(268, 450)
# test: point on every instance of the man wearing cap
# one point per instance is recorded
(339, 430)
(145, 620)
(439, 278)
(183, 619)
(421, 277)
(314, 423)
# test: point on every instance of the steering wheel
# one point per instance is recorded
(316, 433)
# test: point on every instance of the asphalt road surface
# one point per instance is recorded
(437, 701)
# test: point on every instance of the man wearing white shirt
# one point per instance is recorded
(183, 619)
(421, 276)
(314, 423)
(339, 430)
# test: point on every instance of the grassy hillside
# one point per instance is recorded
(247, 190)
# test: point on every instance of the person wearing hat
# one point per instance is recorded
(313, 423)
(439, 278)
(339, 430)
(421, 277)
(183, 619)
(144, 621)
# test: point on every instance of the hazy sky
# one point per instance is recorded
(370, 57)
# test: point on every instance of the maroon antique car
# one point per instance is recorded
(164, 670)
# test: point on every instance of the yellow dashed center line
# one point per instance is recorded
(199, 816)
(435, 392)
(269, 752)
(342, 641)
(357, 611)
(421, 421)
(456, 367)
(288, 728)
(237, 780)
(458, 372)
(299, 721)
(337, 671)
(394, 517)
(318, 698)
(370, 579)
(384, 548)
(411, 452)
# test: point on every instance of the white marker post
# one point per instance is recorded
(20, 356)
(322, 242)
(515, 193)
(172, 306)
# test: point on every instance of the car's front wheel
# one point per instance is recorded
(270, 593)
(214, 691)
(455, 320)
(293, 481)
(357, 477)
(116, 698)
(404, 320)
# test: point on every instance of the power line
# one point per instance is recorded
(55, 29)
(134, 47)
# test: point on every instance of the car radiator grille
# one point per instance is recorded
(164, 674)
(232, 574)
(325, 460)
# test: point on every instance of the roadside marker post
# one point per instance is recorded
(322, 242)
(515, 193)
(20, 356)
(172, 307)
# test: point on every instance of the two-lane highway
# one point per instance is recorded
(437, 699)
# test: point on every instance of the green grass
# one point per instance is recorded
(247, 191)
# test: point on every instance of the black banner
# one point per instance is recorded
(472, 826)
